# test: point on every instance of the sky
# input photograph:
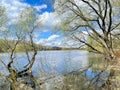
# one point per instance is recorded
(46, 5)
(46, 35)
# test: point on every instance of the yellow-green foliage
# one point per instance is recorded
(98, 46)
(22, 47)
(8, 45)
(116, 44)
(5, 45)
(94, 44)
(97, 61)
(76, 81)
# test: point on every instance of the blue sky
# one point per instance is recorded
(49, 4)
(46, 34)
(48, 8)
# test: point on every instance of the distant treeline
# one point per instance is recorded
(7, 45)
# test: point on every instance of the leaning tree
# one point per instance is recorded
(95, 24)
(87, 21)
(19, 32)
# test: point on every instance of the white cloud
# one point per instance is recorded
(51, 40)
(52, 37)
(48, 20)
(79, 3)
(41, 41)
(38, 8)
(3, 29)
(15, 6)
(61, 4)
(54, 40)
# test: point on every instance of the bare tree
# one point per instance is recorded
(96, 24)
(98, 19)
(17, 33)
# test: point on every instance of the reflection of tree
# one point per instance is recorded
(109, 72)
(77, 80)
(93, 78)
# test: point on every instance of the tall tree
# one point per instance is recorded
(21, 31)
(99, 19)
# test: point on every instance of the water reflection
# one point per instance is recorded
(61, 61)
(65, 70)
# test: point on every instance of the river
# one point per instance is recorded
(50, 63)
(53, 61)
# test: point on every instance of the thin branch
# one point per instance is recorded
(115, 26)
(30, 64)
(87, 44)
(92, 8)
(110, 16)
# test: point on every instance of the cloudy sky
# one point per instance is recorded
(46, 35)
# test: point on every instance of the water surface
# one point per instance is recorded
(49, 61)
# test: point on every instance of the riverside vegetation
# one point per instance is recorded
(100, 22)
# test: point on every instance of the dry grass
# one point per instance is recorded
(117, 53)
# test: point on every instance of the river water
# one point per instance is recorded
(50, 63)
